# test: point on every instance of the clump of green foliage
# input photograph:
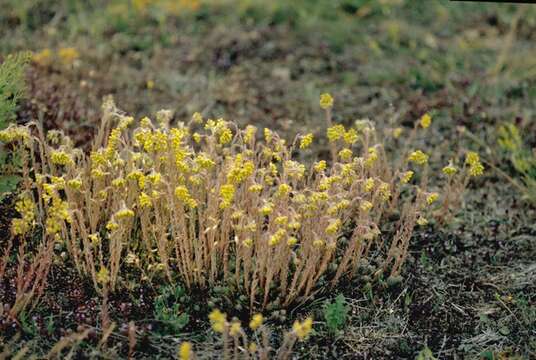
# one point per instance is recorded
(12, 87)
(169, 308)
(336, 314)
(522, 158)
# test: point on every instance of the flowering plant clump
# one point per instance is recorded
(205, 202)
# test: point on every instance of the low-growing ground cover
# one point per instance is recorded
(466, 289)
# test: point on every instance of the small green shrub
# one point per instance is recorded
(336, 314)
(169, 308)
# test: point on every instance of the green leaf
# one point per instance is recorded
(8, 184)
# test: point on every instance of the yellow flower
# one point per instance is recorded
(365, 206)
(95, 239)
(276, 238)
(248, 242)
(196, 137)
(249, 133)
(291, 241)
(432, 198)
(197, 118)
(397, 132)
(252, 347)
(256, 321)
(75, 184)
(268, 135)
(182, 193)
(425, 121)
(124, 214)
(59, 157)
(418, 157)
(406, 177)
(203, 161)
(369, 185)
(345, 154)
(112, 225)
(303, 329)
(145, 200)
(68, 55)
(476, 169)
(333, 227)
(225, 136)
(283, 190)
(335, 133)
(449, 170)
(350, 137)
(385, 191)
(217, 320)
(185, 351)
(227, 194)
(422, 221)
(372, 157)
(119, 182)
(294, 169)
(235, 328)
(326, 101)
(306, 141)
(266, 209)
(318, 243)
(103, 276)
(43, 57)
(320, 166)
(257, 188)
(472, 158)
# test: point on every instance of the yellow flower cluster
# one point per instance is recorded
(431, 198)
(449, 170)
(14, 133)
(227, 192)
(241, 170)
(303, 329)
(475, 166)
(25, 207)
(425, 121)
(334, 227)
(124, 214)
(58, 209)
(67, 56)
(220, 129)
(185, 351)
(218, 320)
(326, 101)
(256, 321)
(418, 157)
(182, 193)
(306, 141)
(103, 276)
(406, 177)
